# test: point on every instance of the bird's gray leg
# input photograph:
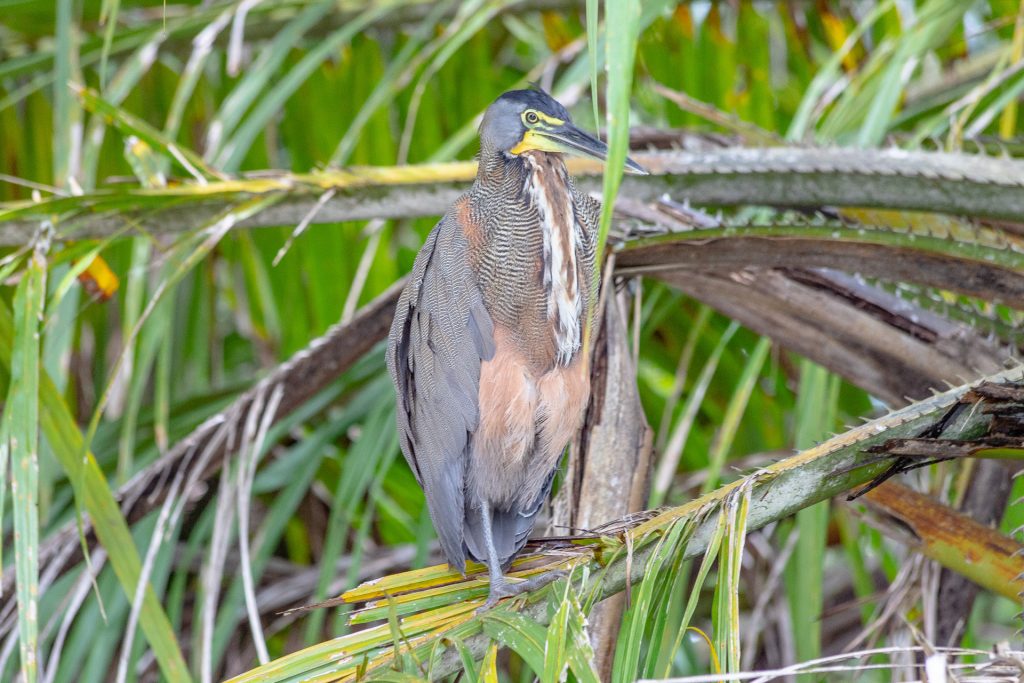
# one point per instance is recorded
(498, 580)
(501, 587)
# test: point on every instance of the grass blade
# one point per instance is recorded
(94, 495)
(555, 660)
(133, 125)
(816, 406)
(593, 9)
(232, 153)
(256, 77)
(21, 429)
(1008, 119)
(671, 544)
(622, 26)
(829, 72)
(714, 543)
(108, 17)
(677, 439)
(520, 633)
(730, 560)
(734, 412)
(64, 114)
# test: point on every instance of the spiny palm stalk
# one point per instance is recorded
(831, 225)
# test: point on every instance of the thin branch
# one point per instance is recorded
(876, 340)
(953, 183)
(935, 262)
(973, 550)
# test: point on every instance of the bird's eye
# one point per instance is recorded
(531, 117)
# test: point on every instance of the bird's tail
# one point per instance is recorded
(510, 527)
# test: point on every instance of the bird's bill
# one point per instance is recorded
(568, 139)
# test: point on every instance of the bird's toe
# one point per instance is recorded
(511, 587)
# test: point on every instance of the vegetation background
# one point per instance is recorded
(169, 415)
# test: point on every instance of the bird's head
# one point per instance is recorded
(531, 120)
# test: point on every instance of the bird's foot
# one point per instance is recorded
(509, 588)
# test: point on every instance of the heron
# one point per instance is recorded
(486, 347)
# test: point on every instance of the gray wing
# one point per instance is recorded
(440, 335)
